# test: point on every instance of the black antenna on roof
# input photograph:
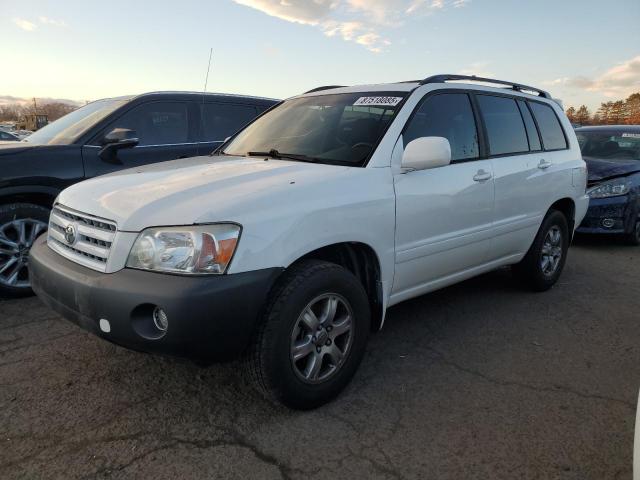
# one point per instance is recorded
(204, 93)
(206, 78)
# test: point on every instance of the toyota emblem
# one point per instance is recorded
(70, 234)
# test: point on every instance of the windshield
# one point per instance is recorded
(616, 146)
(336, 129)
(67, 129)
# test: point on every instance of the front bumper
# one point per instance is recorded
(610, 215)
(211, 318)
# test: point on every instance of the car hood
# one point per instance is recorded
(600, 169)
(197, 190)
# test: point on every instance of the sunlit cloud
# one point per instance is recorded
(618, 81)
(51, 21)
(25, 25)
(479, 69)
(359, 21)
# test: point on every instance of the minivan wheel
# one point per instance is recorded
(633, 238)
(20, 225)
(542, 265)
(312, 336)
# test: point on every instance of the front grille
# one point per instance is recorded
(80, 237)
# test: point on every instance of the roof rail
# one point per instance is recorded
(515, 86)
(326, 87)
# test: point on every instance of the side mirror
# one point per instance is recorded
(426, 152)
(115, 140)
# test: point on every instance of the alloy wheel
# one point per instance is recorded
(322, 338)
(16, 239)
(551, 251)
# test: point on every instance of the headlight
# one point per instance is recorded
(612, 188)
(188, 250)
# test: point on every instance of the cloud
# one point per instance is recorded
(297, 11)
(479, 69)
(619, 81)
(359, 21)
(52, 21)
(29, 26)
(25, 25)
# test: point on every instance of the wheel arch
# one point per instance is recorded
(35, 194)
(567, 207)
(361, 260)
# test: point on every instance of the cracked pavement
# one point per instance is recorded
(480, 380)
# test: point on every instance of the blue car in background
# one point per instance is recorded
(612, 154)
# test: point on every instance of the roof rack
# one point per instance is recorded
(515, 86)
(326, 87)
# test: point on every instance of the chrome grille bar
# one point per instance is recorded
(82, 238)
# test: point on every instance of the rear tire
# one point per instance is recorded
(303, 355)
(542, 265)
(20, 225)
(633, 238)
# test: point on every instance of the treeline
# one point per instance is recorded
(621, 112)
(15, 112)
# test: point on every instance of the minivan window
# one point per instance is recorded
(156, 123)
(333, 128)
(532, 131)
(550, 129)
(221, 120)
(447, 115)
(504, 125)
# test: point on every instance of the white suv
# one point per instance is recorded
(288, 244)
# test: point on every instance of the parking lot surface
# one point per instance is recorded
(480, 380)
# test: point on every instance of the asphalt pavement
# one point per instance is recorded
(482, 380)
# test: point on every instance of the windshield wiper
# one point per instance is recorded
(273, 153)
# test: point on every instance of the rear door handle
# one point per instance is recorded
(482, 176)
(543, 165)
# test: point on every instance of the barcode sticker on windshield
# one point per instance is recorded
(632, 135)
(378, 101)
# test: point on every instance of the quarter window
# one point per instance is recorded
(156, 123)
(550, 129)
(505, 128)
(532, 131)
(223, 120)
(447, 115)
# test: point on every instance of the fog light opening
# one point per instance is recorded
(160, 319)
(608, 223)
(149, 321)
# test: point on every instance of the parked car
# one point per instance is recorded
(102, 137)
(612, 154)
(8, 137)
(292, 241)
(22, 134)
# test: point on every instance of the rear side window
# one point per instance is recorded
(221, 120)
(505, 128)
(532, 131)
(156, 123)
(447, 115)
(550, 129)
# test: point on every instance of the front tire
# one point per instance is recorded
(20, 225)
(542, 265)
(633, 238)
(312, 336)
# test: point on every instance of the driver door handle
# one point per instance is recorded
(543, 165)
(482, 176)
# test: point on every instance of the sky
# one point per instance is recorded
(582, 51)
